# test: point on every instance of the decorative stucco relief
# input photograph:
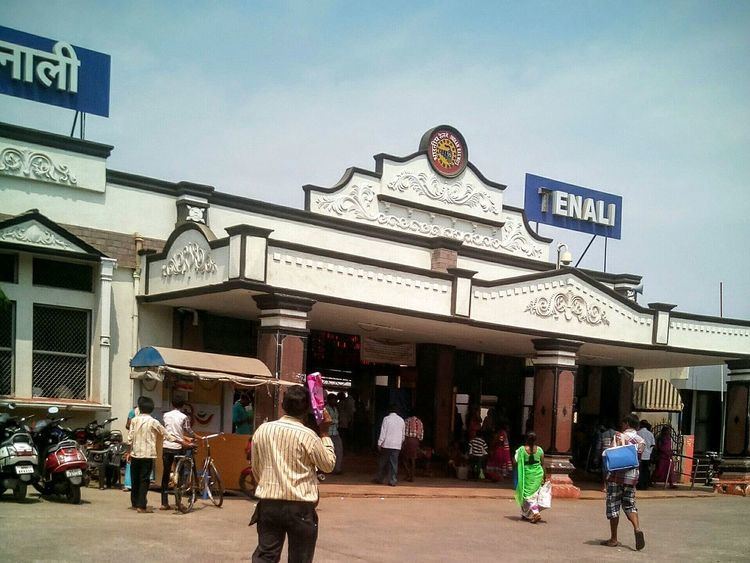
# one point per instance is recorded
(35, 165)
(361, 273)
(36, 235)
(361, 203)
(192, 257)
(570, 306)
(446, 191)
(196, 214)
(710, 329)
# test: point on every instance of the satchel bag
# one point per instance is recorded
(620, 458)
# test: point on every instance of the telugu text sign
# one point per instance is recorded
(53, 72)
(572, 207)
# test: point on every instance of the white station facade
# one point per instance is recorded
(413, 282)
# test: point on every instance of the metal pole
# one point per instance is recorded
(723, 379)
(73, 129)
(605, 253)
(585, 250)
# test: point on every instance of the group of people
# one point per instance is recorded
(620, 485)
(398, 437)
(488, 446)
(657, 458)
(143, 432)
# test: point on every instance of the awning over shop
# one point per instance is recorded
(656, 395)
(153, 363)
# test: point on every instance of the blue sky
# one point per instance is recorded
(645, 100)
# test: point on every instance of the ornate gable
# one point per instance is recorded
(33, 231)
(435, 192)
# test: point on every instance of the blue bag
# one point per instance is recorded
(620, 458)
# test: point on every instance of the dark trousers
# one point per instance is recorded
(644, 477)
(140, 477)
(388, 465)
(280, 518)
(167, 458)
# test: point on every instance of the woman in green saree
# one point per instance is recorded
(530, 464)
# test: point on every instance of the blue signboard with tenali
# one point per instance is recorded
(572, 207)
(53, 72)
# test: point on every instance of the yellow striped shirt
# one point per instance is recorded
(284, 457)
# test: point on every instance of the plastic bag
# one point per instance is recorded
(317, 395)
(545, 495)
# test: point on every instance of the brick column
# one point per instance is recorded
(282, 346)
(444, 253)
(554, 388)
(735, 467)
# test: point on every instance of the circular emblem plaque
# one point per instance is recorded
(446, 150)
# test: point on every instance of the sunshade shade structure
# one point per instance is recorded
(657, 395)
(153, 363)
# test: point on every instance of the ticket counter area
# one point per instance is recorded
(208, 383)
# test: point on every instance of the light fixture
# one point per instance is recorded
(564, 258)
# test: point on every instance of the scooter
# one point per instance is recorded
(65, 463)
(18, 456)
(104, 450)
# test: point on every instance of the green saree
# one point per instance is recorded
(530, 478)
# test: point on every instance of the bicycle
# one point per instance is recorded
(190, 484)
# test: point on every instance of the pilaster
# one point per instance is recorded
(282, 346)
(108, 266)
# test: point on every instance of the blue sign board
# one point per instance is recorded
(53, 72)
(572, 207)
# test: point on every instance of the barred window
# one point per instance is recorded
(61, 352)
(7, 342)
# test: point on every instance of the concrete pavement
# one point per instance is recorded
(374, 529)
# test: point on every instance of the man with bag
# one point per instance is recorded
(622, 460)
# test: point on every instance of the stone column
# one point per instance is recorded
(735, 467)
(282, 346)
(554, 388)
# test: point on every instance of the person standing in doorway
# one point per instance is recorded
(333, 431)
(413, 436)
(621, 487)
(142, 436)
(285, 455)
(131, 415)
(644, 479)
(346, 408)
(177, 423)
(389, 445)
(240, 418)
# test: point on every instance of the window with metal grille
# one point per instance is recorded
(66, 275)
(61, 352)
(7, 344)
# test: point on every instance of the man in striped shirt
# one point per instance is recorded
(285, 455)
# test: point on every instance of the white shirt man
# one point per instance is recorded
(177, 424)
(648, 437)
(389, 443)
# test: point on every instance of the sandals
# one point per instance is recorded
(608, 543)
(640, 541)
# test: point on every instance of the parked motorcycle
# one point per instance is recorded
(64, 469)
(18, 456)
(105, 451)
(247, 479)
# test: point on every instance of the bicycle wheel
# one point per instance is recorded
(184, 490)
(215, 488)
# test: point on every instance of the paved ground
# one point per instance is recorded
(374, 529)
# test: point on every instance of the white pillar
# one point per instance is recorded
(105, 304)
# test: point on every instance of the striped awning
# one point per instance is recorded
(656, 395)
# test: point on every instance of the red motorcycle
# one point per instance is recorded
(64, 467)
(247, 479)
